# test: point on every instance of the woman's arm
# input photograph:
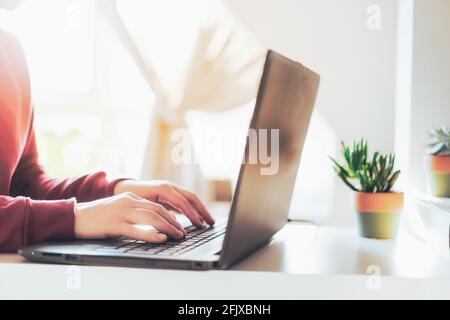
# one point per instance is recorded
(26, 213)
(24, 221)
(30, 180)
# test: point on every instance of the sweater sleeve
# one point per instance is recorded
(30, 180)
(24, 221)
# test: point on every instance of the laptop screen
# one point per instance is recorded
(275, 141)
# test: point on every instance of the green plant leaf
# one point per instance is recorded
(374, 174)
(392, 181)
(439, 141)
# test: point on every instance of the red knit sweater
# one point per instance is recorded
(33, 207)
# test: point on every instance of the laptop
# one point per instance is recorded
(261, 199)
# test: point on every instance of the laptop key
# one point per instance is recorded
(194, 239)
(139, 249)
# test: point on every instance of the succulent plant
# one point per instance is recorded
(363, 174)
(440, 142)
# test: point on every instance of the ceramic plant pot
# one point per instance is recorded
(378, 214)
(438, 176)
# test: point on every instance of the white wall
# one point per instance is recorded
(423, 89)
(430, 101)
(357, 65)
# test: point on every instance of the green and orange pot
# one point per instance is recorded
(438, 175)
(378, 214)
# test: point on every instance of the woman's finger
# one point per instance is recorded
(141, 203)
(178, 201)
(149, 217)
(201, 208)
(130, 231)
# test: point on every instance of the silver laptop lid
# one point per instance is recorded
(261, 201)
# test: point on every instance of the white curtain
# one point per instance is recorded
(194, 55)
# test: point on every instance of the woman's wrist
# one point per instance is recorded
(119, 186)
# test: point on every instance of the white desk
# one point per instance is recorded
(50, 282)
(302, 261)
(308, 249)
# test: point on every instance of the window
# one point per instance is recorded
(89, 94)
(58, 37)
(86, 90)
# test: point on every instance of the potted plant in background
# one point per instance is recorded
(438, 164)
(377, 208)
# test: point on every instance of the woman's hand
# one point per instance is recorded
(117, 216)
(167, 193)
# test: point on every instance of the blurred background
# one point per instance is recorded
(112, 80)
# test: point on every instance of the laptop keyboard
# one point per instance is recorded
(194, 238)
